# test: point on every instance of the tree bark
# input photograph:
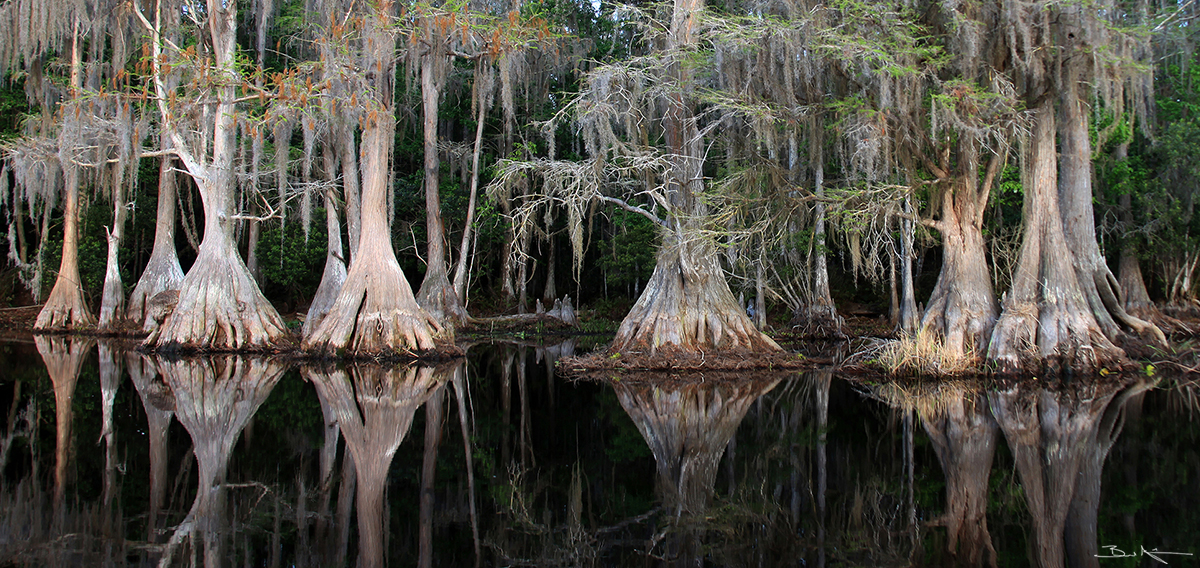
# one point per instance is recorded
(1096, 281)
(1046, 322)
(65, 308)
(962, 309)
(437, 295)
(375, 312)
(820, 316)
(687, 305)
(334, 275)
(163, 271)
(220, 306)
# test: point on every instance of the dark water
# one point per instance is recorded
(110, 458)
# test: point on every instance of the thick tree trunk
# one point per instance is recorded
(1096, 281)
(1080, 531)
(375, 312)
(1052, 435)
(962, 309)
(163, 271)
(66, 308)
(374, 410)
(964, 438)
(1046, 322)
(220, 307)
(437, 295)
(687, 306)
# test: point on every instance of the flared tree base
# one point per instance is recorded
(65, 310)
(376, 316)
(820, 322)
(220, 309)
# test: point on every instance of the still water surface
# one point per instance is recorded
(113, 458)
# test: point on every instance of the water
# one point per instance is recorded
(113, 458)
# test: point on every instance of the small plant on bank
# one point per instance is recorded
(924, 353)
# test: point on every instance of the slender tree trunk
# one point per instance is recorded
(820, 316)
(437, 295)
(1045, 308)
(335, 267)
(112, 298)
(433, 439)
(1135, 300)
(375, 311)
(163, 271)
(66, 308)
(909, 317)
(484, 88)
(159, 410)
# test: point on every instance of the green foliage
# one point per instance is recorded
(628, 254)
(292, 265)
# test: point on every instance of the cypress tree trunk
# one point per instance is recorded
(220, 307)
(437, 295)
(65, 308)
(964, 437)
(375, 311)
(687, 304)
(334, 274)
(962, 309)
(1045, 308)
(163, 271)
(374, 408)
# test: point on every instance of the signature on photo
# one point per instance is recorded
(1114, 552)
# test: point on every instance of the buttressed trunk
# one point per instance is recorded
(687, 304)
(220, 307)
(163, 271)
(964, 437)
(1096, 281)
(962, 309)
(375, 311)
(1045, 309)
(374, 409)
(66, 308)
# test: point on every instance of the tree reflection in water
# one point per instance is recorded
(688, 421)
(1059, 437)
(214, 399)
(374, 406)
